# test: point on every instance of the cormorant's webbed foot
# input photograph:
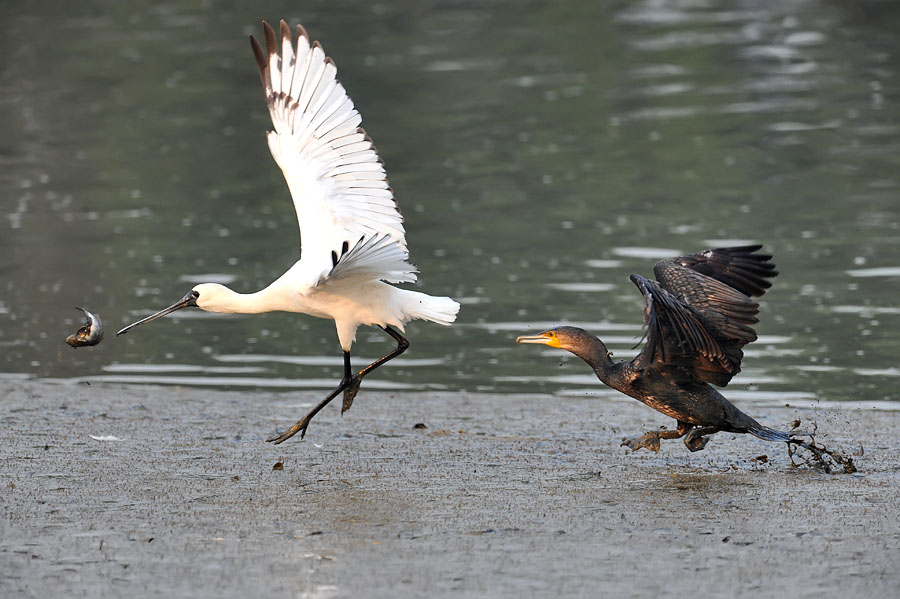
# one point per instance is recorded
(650, 440)
(697, 438)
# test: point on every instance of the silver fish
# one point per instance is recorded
(90, 334)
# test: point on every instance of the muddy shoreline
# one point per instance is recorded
(499, 496)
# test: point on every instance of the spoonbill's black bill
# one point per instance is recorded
(353, 242)
(188, 301)
(90, 334)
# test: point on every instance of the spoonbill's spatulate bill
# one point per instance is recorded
(698, 315)
(352, 239)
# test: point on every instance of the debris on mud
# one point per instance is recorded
(822, 457)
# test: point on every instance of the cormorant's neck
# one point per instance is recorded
(594, 352)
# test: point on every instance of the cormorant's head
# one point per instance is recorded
(578, 341)
(567, 338)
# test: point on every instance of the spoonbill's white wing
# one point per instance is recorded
(373, 258)
(335, 176)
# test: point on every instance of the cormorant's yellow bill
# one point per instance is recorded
(545, 338)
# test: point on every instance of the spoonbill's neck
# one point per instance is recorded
(220, 298)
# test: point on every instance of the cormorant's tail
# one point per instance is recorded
(768, 434)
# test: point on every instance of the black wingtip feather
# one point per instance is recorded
(271, 44)
(260, 55)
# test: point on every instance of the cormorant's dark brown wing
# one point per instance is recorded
(698, 322)
(737, 267)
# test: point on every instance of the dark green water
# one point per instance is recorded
(540, 152)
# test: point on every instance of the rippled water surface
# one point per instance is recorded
(541, 152)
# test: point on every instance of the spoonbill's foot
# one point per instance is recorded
(350, 392)
(649, 440)
(300, 427)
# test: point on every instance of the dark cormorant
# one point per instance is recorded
(698, 316)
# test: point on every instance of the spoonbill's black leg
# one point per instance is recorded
(351, 390)
(303, 423)
(650, 440)
(349, 385)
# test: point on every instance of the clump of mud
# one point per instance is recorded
(827, 460)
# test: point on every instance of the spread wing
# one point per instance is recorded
(699, 314)
(334, 174)
(737, 267)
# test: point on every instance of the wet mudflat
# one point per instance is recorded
(499, 496)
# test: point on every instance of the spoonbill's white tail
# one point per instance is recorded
(441, 310)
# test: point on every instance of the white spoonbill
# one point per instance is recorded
(352, 238)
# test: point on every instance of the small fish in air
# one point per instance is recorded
(90, 334)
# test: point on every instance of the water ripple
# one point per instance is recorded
(224, 381)
(866, 310)
(689, 39)
(588, 287)
(159, 368)
(883, 271)
(646, 252)
(208, 278)
(549, 324)
(603, 263)
(320, 360)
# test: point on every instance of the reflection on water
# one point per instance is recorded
(534, 177)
